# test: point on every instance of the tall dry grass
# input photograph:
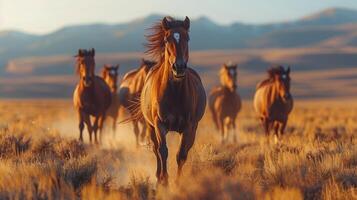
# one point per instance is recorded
(40, 158)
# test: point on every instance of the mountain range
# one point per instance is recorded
(24, 55)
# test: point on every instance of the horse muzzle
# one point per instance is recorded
(287, 96)
(87, 81)
(179, 70)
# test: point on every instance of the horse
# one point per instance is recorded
(92, 96)
(273, 101)
(110, 76)
(129, 93)
(225, 103)
(173, 97)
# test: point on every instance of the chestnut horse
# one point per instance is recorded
(173, 97)
(129, 94)
(273, 101)
(92, 95)
(110, 76)
(225, 102)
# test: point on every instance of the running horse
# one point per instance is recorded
(110, 76)
(173, 97)
(92, 95)
(129, 94)
(225, 102)
(273, 101)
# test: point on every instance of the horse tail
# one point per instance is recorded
(134, 110)
(211, 101)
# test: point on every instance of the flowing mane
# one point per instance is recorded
(272, 71)
(156, 39)
(156, 42)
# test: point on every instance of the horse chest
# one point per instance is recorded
(174, 113)
(88, 104)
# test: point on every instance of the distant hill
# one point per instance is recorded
(205, 34)
(44, 63)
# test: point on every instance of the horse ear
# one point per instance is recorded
(80, 52)
(165, 23)
(288, 70)
(117, 67)
(92, 52)
(186, 23)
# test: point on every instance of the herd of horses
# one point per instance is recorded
(166, 95)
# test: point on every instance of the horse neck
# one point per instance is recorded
(162, 79)
(88, 92)
(274, 92)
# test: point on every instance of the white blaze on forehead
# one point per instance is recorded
(283, 76)
(177, 37)
(112, 72)
(231, 71)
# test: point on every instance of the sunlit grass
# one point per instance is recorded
(40, 158)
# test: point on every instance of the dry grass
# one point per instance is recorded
(41, 159)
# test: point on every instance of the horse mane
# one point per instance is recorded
(156, 39)
(104, 70)
(156, 42)
(84, 53)
(272, 71)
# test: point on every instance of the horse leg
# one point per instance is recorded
(187, 140)
(222, 129)
(100, 126)
(276, 131)
(266, 125)
(81, 126)
(136, 132)
(155, 148)
(114, 125)
(282, 128)
(86, 119)
(234, 131)
(143, 134)
(95, 128)
(161, 132)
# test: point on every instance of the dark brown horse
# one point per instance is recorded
(92, 95)
(110, 76)
(173, 97)
(273, 101)
(129, 94)
(225, 102)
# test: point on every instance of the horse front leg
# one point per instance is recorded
(234, 131)
(101, 126)
(222, 129)
(266, 125)
(80, 125)
(95, 128)
(86, 119)
(114, 124)
(161, 132)
(143, 133)
(282, 128)
(155, 148)
(136, 132)
(187, 141)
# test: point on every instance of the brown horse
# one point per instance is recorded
(129, 94)
(110, 76)
(225, 102)
(173, 97)
(92, 95)
(273, 101)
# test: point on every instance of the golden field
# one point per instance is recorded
(40, 157)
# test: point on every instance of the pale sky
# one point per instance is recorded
(44, 16)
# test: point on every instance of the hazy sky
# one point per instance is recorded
(43, 16)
